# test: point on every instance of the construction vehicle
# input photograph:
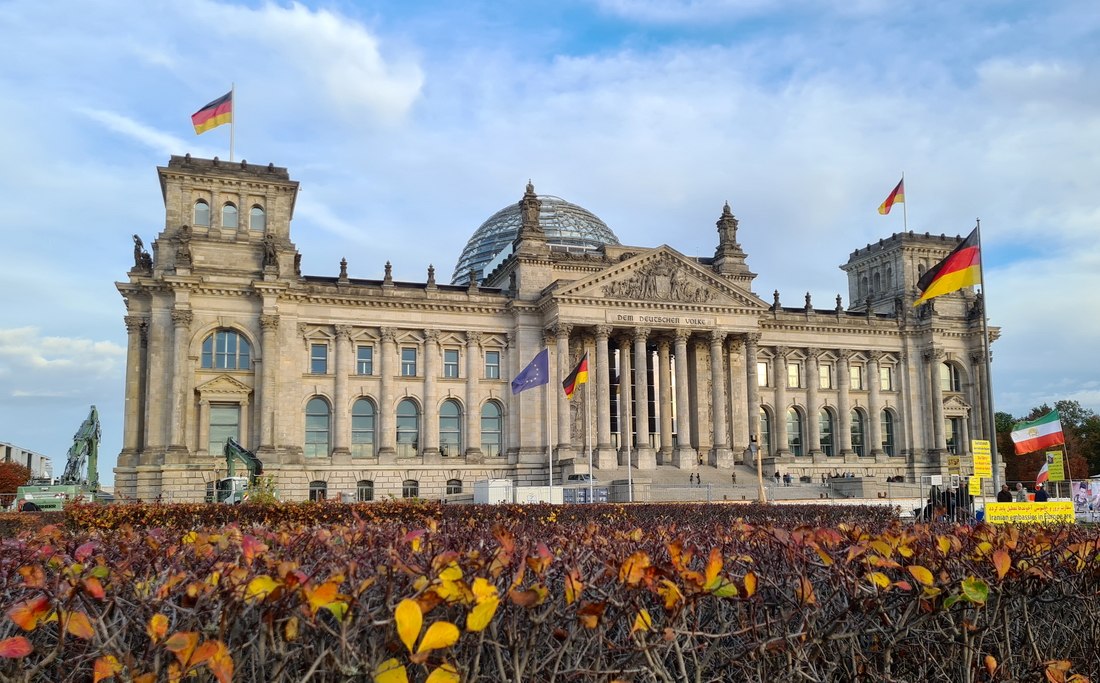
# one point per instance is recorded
(73, 485)
(233, 488)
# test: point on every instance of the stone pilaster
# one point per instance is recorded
(720, 454)
(473, 391)
(685, 456)
(844, 403)
(181, 327)
(664, 400)
(645, 455)
(387, 367)
(605, 450)
(341, 362)
(874, 407)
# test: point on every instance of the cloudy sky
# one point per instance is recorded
(409, 123)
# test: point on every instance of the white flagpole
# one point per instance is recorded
(904, 204)
(588, 438)
(549, 445)
(990, 415)
(232, 116)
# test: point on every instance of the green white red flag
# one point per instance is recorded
(1038, 434)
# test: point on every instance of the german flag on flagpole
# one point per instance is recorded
(576, 378)
(896, 197)
(961, 268)
(214, 114)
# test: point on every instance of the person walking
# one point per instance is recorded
(1004, 495)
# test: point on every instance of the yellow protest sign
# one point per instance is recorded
(975, 486)
(1054, 512)
(979, 446)
(983, 465)
(1056, 470)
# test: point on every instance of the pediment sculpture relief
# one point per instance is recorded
(662, 280)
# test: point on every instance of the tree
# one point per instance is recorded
(12, 476)
(1081, 427)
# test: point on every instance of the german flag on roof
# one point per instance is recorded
(961, 268)
(213, 114)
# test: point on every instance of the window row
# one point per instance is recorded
(257, 219)
(364, 361)
(364, 429)
(825, 374)
(794, 434)
(364, 489)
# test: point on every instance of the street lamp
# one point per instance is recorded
(754, 449)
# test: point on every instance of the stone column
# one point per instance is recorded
(752, 389)
(132, 416)
(779, 366)
(269, 394)
(473, 407)
(685, 456)
(341, 363)
(664, 367)
(181, 326)
(605, 451)
(813, 404)
(934, 358)
(561, 333)
(874, 400)
(720, 455)
(509, 364)
(626, 411)
(430, 428)
(203, 445)
(387, 366)
(844, 404)
(646, 454)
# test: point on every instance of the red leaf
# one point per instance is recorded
(94, 588)
(16, 647)
(84, 552)
(27, 614)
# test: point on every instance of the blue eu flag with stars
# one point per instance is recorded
(535, 374)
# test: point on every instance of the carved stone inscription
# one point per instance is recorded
(659, 319)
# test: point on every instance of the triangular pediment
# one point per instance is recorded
(224, 386)
(661, 275)
(954, 405)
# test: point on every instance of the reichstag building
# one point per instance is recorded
(366, 389)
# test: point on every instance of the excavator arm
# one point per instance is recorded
(85, 449)
(234, 453)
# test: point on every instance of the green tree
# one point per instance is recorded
(1081, 427)
(12, 476)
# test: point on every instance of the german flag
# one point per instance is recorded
(897, 196)
(214, 114)
(576, 378)
(961, 268)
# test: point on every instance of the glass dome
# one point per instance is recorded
(568, 227)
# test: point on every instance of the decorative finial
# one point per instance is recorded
(775, 296)
(809, 307)
(839, 305)
(529, 207)
(473, 280)
(343, 269)
(431, 275)
(389, 273)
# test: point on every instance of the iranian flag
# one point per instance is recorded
(1044, 474)
(1042, 433)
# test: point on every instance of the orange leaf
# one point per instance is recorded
(290, 631)
(157, 627)
(590, 614)
(105, 667)
(146, 678)
(220, 662)
(409, 620)
(79, 625)
(182, 644)
(27, 614)
(634, 569)
(15, 647)
(573, 586)
(750, 584)
(94, 588)
(1002, 562)
(714, 565)
(805, 592)
(321, 596)
(33, 576)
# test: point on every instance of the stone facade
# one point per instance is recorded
(377, 388)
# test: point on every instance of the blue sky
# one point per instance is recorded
(410, 123)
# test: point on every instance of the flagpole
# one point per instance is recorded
(232, 116)
(588, 438)
(991, 417)
(549, 445)
(904, 205)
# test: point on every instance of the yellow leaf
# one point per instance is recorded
(984, 547)
(943, 544)
(805, 592)
(879, 579)
(921, 574)
(670, 592)
(339, 609)
(409, 620)
(321, 596)
(290, 631)
(391, 671)
(1002, 562)
(260, 587)
(750, 584)
(714, 565)
(105, 667)
(573, 586)
(634, 569)
(905, 551)
(482, 589)
(642, 621)
(190, 537)
(79, 625)
(452, 572)
(482, 614)
(440, 634)
(157, 628)
(444, 674)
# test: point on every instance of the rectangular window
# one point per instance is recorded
(855, 372)
(364, 360)
(450, 363)
(318, 359)
(794, 375)
(886, 378)
(492, 365)
(408, 362)
(762, 374)
(825, 375)
(225, 423)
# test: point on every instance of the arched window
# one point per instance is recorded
(887, 432)
(317, 428)
(492, 430)
(202, 213)
(229, 215)
(257, 219)
(858, 443)
(949, 377)
(889, 277)
(825, 424)
(454, 486)
(226, 350)
(318, 490)
(765, 432)
(878, 282)
(410, 488)
(450, 428)
(364, 490)
(794, 431)
(362, 429)
(408, 429)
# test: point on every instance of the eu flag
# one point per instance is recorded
(535, 374)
